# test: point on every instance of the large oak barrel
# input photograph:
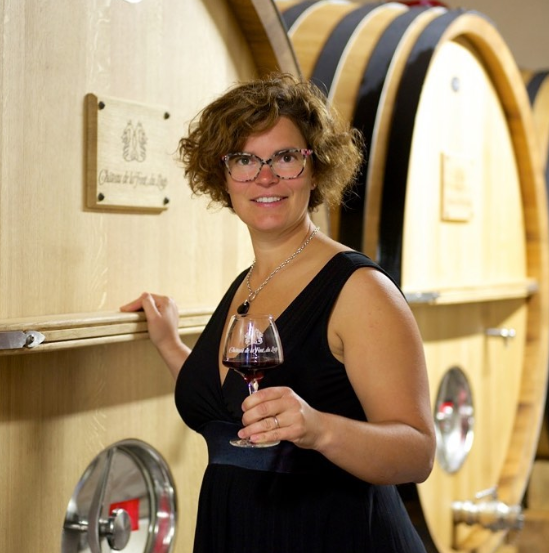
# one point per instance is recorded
(452, 202)
(537, 85)
(70, 74)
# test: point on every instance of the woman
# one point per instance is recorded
(350, 403)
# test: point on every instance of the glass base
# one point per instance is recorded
(247, 443)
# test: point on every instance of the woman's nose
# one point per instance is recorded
(266, 175)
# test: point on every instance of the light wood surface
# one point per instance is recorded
(67, 268)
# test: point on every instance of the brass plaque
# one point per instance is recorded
(457, 178)
(128, 157)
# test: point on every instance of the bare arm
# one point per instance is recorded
(163, 320)
(375, 335)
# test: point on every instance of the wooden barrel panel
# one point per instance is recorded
(452, 339)
(66, 268)
(453, 130)
(453, 205)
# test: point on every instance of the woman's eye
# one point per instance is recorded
(287, 157)
(243, 160)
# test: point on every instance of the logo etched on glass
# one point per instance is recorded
(254, 337)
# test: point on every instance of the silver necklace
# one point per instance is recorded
(244, 307)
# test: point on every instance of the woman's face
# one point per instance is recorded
(269, 202)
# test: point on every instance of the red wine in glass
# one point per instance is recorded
(250, 372)
(252, 346)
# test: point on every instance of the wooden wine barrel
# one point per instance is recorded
(537, 85)
(67, 262)
(453, 204)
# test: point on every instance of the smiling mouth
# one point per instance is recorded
(268, 199)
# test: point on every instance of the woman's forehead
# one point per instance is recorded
(284, 130)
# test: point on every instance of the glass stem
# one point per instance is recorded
(253, 386)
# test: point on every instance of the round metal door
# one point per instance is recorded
(125, 500)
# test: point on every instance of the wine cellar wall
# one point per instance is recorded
(75, 245)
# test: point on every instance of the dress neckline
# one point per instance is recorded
(280, 319)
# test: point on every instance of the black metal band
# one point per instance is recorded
(291, 15)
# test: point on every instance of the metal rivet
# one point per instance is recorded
(100, 196)
(166, 115)
(166, 201)
(101, 105)
(455, 84)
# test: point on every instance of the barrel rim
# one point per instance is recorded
(266, 35)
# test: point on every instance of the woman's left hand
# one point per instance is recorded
(278, 413)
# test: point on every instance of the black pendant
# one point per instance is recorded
(243, 308)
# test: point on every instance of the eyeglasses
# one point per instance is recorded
(286, 164)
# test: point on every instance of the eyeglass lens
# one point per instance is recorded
(286, 164)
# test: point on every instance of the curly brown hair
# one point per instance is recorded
(255, 106)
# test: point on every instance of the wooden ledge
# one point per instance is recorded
(472, 294)
(88, 329)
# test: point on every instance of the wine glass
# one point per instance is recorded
(252, 346)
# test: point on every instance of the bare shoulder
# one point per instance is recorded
(367, 291)
(370, 304)
(374, 334)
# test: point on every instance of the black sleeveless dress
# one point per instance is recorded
(285, 499)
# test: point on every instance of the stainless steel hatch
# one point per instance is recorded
(125, 500)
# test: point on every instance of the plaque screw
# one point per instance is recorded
(166, 115)
(101, 105)
(100, 196)
(455, 84)
(166, 201)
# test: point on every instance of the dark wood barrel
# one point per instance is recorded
(452, 202)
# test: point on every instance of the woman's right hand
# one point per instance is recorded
(163, 321)
(162, 316)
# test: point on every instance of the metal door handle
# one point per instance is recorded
(117, 529)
